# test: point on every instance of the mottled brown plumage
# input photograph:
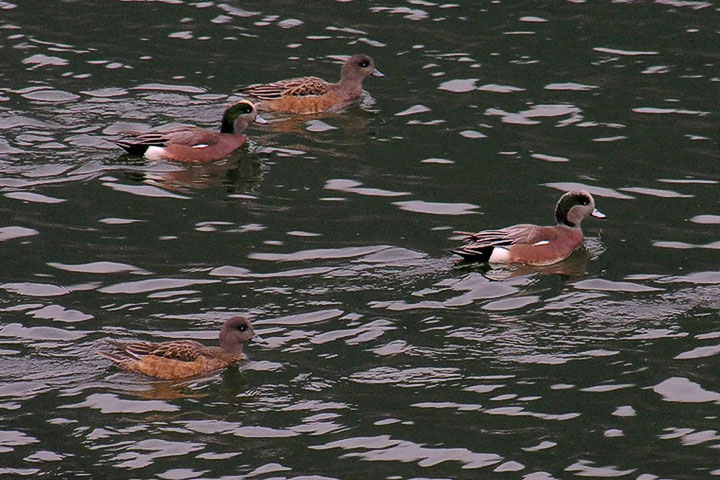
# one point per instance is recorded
(313, 94)
(533, 244)
(182, 358)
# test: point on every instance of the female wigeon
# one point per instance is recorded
(533, 244)
(313, 94)
(182, 358)
(194, 144)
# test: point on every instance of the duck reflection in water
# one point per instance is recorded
(233, 382)
(573, 266)
(238, 173)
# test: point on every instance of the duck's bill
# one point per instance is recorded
(261, 120)
(377, 73)
(597, 213)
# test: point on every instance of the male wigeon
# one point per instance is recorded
(533, 244)
(178, 359)
(313, 94)
(194, 144)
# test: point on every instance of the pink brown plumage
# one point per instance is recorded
(533, 244)
(194, 144)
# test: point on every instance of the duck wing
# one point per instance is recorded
(188, 136)
(182, 350)
(194, 137)
(296, 87)
(503, 237)
(480, 245)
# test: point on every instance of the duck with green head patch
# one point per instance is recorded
(533, 244)
(194, 144)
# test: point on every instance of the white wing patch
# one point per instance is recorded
(541, 243)
(499, 255)
(155, 153)
(200, 145)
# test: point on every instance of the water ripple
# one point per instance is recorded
(110, 403)
(317, 254)
(437, 208)
(682, 390)
(15, 330)
(12, 232)
(383, 448)
(152, 285)
(408, 378)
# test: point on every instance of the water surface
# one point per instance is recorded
(383, 356)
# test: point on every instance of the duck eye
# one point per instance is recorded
(364, 64)
(242, 328)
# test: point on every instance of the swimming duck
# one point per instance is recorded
(313, 94)
(179, 359)
(194, 144)
(533, 244)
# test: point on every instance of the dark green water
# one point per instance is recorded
(383, 356)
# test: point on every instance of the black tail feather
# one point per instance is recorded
(132, 148)
(474, 254)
